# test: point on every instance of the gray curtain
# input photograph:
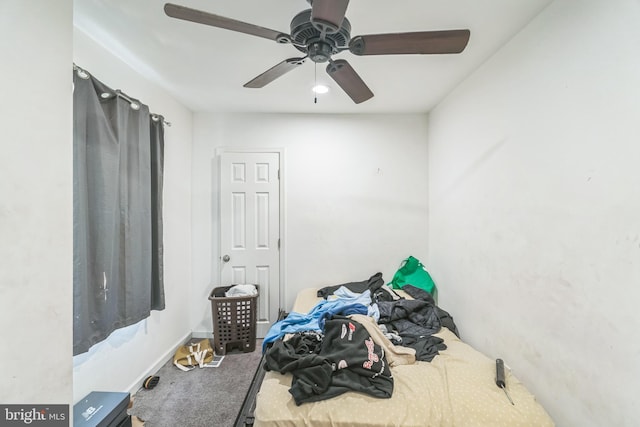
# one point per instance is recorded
(117, 212)
(157, 168)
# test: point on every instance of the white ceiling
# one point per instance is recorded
(205, 67)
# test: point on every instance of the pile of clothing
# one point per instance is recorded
(348, 341)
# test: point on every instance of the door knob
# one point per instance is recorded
(226, 258)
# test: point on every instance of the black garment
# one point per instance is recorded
(415, 320)
(299, 355)
(360, 363)
(346, 360)
(410, 317)
(372, 284)
(445, 318)
(286, 356)
(426, 347)
(384, 293)
(417, 293)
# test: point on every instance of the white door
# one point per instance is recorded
(250, 228)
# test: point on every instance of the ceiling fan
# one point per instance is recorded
(323, 31)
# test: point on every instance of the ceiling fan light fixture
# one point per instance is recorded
(320, 89)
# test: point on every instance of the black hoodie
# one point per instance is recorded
(348, 360)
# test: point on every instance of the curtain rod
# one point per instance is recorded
(83, 74)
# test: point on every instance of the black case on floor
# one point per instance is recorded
(102, 409)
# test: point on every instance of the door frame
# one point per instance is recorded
(282, 212)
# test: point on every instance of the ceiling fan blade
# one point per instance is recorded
(327, 15)
(424, 42)
(274, 72)
(200, 17)
(347, 78)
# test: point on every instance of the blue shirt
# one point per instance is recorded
(345, 303)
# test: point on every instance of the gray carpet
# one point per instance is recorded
(200, 397)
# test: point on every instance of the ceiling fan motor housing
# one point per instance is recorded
(318, 45)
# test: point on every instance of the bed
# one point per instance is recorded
(456, 388)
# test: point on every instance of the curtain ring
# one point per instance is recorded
(82, 74)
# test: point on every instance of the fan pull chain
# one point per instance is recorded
(315, 82)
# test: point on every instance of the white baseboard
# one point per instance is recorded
(201, 335)
(168, 355)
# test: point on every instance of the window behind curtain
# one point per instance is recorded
(117, 212)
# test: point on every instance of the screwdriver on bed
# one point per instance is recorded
(500, 378)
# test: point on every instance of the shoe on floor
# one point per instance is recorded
(151, 382)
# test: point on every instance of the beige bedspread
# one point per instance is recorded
(456, 389)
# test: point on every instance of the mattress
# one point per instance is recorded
(457, 388)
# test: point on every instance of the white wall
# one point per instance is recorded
(355, 195)
(122, 361)
(535, 209)
(36, 245)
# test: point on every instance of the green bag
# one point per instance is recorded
(412, 272)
